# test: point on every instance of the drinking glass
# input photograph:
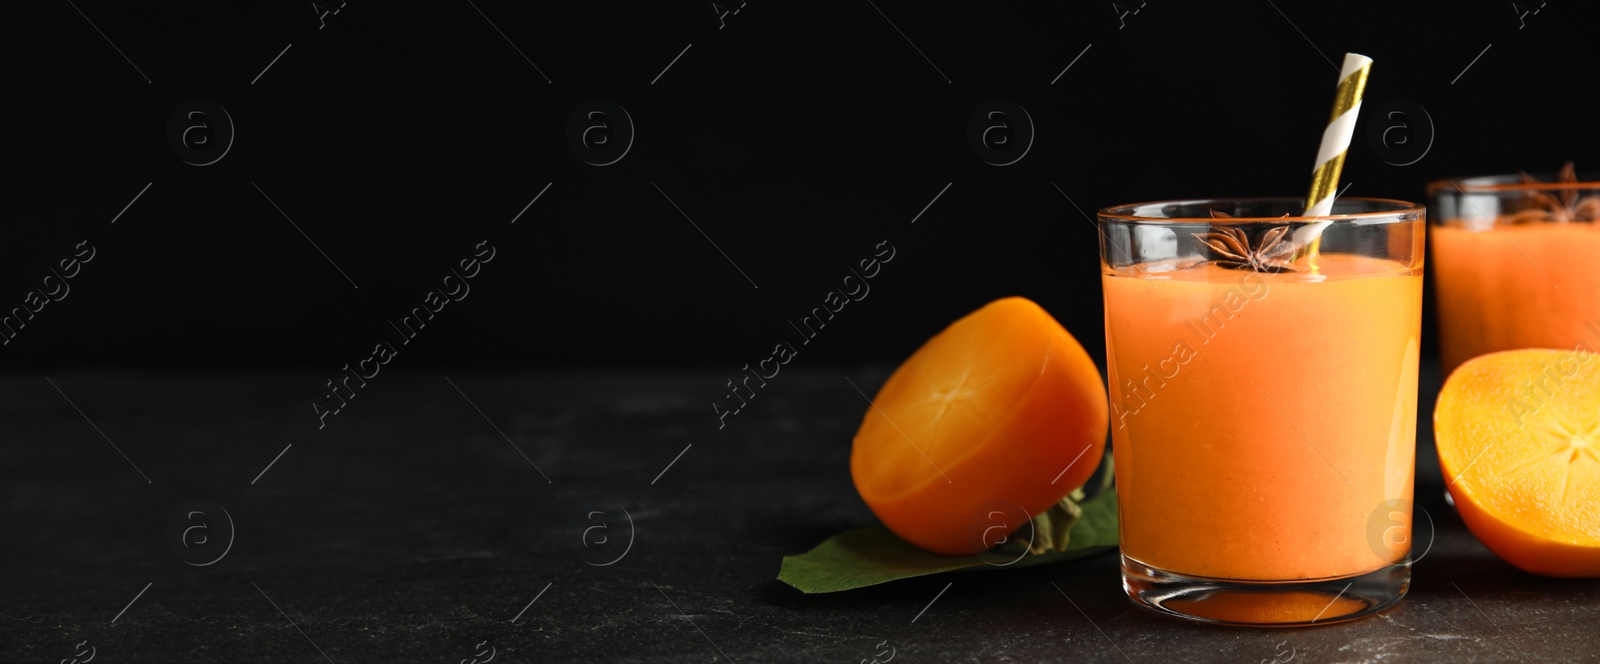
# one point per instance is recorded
(1263, 386)
(1514, 259)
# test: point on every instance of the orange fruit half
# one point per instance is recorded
(992, 421)
(1519, 442)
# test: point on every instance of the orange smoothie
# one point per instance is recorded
(1515, 286)
(1259, 420)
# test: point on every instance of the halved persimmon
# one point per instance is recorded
(1519, 442)
(1001, 411)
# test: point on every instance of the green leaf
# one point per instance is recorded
(873, 555)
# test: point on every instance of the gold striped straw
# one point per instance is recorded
(1335, 143)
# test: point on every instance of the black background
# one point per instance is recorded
(795, 138)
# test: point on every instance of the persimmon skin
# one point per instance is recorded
(1514, 520)
(1027, 459)
(1527, 551)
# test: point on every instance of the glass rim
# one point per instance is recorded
(1488, 184)
(1121, 212)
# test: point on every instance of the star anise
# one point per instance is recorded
(1568, 207)
(1232, 249)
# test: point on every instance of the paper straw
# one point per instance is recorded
(1335, 142)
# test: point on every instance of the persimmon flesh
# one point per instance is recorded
(1519, 443)
(1001, 412)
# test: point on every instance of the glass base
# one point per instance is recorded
(1265, 603)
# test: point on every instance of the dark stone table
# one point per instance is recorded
(411, 529)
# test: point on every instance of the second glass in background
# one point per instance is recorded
(1516, 263)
